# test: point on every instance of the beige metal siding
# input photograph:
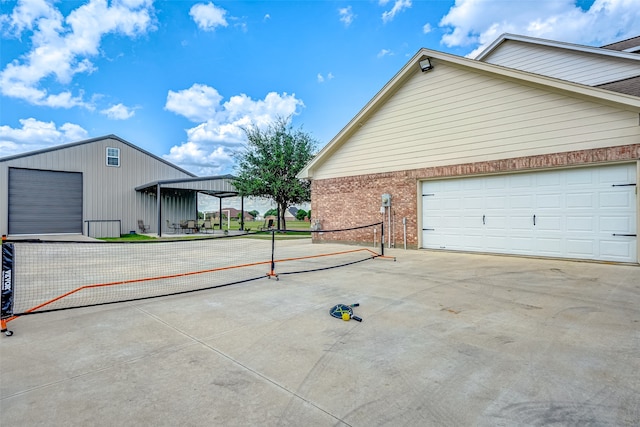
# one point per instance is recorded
(578, 67)
(109, 192)
(452, 116)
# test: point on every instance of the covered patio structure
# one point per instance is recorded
(188, 188)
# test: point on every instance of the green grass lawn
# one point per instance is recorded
(251, 226)
(128, 238)
(257, 225)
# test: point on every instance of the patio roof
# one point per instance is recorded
(217, 186)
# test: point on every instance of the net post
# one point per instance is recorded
(272, 272)
(6, 295)
(382, 238)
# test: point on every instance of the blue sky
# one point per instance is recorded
(180, 78)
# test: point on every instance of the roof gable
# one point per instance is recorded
(446, 61)
(586, 65)
(603, 51)
(90, 141)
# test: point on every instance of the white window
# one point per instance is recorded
(113, 157)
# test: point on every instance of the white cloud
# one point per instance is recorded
(384, 52)
(480, 22)
(398, 6)
(426, 28)
(198, 103)
(62, 47)
(210, 144)
(208, 16)
(321, 78)
(346, 15)
(118, 112)
(35, 135)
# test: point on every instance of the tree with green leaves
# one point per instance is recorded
(271, 212)
(269, 163)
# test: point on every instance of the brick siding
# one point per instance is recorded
(352, 201)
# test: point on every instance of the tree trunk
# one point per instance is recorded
(282, 208)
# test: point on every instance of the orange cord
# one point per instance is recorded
(171, 276)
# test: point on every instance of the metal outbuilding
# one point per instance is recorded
(100, 187)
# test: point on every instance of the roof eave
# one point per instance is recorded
(618, 99)
(552, 43)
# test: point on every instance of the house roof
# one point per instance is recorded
(619, 100)
(605, 50)
(89, 141)
(629, 86)
(628, 45)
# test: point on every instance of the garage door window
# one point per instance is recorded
(113, 157)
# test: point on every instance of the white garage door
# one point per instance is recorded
(586, 213)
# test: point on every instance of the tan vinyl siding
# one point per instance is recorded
(574, 66)
(454, 116)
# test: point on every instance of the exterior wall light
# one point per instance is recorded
(425, 64)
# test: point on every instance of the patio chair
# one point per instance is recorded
(144, 228)
(173, 226)
(207, 226)
(191, 225)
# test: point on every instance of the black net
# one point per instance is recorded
(49, 276)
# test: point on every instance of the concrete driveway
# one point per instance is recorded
(447, 340)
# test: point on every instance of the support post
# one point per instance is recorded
(241, 213)
(159, 209)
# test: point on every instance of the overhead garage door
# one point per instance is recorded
(44, 202)
(585, 213)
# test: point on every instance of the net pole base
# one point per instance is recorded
(272, 274)
(3, 328)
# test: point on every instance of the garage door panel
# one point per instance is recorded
(472, 223)
(549, 201)
(616, 224)
(521, 181)
(579, 200)
(576, 224)
(616, 250)
(520, 222)
(44, 202)
(616, 199)
(496, 202)
(496, 243)
(475, 242)
(615, 176)
(580, 178)
(549, 246)
(452, 204)
(577, 212)
(496, 183)
(473, 203)
(518, 201)
(469, 186)
(548, 181)
(549, 223)
(580, 248)
(522, 245)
